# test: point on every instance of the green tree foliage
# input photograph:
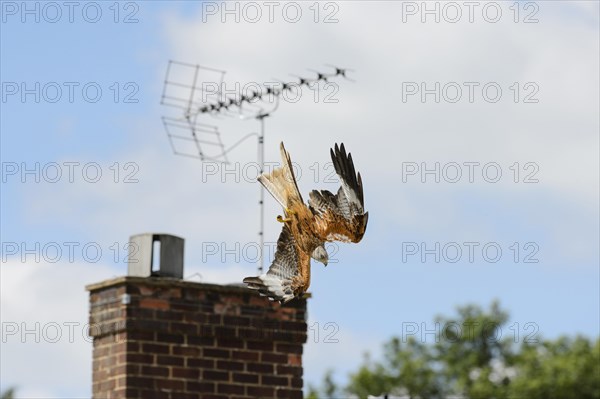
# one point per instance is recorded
(565, 368)
(474, 355)
(8, 394)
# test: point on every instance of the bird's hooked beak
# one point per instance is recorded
(320, 255)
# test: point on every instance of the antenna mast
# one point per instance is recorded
(183, 89)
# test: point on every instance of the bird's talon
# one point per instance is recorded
(280, 219)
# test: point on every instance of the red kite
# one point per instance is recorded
(327, 217)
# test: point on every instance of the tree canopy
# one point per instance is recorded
(476, 355)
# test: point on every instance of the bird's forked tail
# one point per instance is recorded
(281, 182)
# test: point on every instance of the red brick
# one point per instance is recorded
(194, 317)
(170, 315)
(101, 352)
(289, 337)
(297, 382)
(169, 384)
(230, 366)
(273, 357)
(230, 389)
(183, 328)
(145, 290)
(287, 348)
(151, 393)
(289, 394)
(244, 355)
(259, 345)
(107, 385)
(131, 393)
(259, 368)
(140, 358)
(141, 313)
(133, 346)
(153, 303)
(294, 371)
(260, 392)
(200, 362)
(154, 348)
(258, 300)
(236, 320)
(294, 326)
(169, 360)
(155, 371)
(200, 340)
(118, 347)
(199, 386)
(230, 343)
(262, 323)
(220, 353)
(193, 294)
(215, 375)
(181, 395)
(140, 381)
(149, 325)
(125, 369)
(274, 380)
(108, 361)
(245, 378)
(173, 292)
(225, 332)
(140, 336)
(295, 360)
(185, 372)
(184, 307)
(121, 382)
(178, 350)
(252, 334)
(169, 338)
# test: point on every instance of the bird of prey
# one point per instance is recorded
(328, 217)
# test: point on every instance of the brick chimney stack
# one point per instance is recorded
(163, 337)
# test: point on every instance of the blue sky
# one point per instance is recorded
(370, 292)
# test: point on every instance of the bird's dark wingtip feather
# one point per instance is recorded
(360, 190)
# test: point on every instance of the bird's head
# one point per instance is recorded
(320, 255)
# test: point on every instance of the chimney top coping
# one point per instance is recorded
(170, 282)
(161, 281)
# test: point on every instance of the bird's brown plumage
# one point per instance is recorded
(341, 217)
(328, 217)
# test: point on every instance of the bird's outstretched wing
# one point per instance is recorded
(341, 217)
(289, 273)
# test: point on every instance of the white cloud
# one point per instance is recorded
(44, 316)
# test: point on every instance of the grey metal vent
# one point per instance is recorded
(153, 254)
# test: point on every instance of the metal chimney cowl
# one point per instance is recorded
(141, 255)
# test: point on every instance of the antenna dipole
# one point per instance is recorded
(182, 93)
